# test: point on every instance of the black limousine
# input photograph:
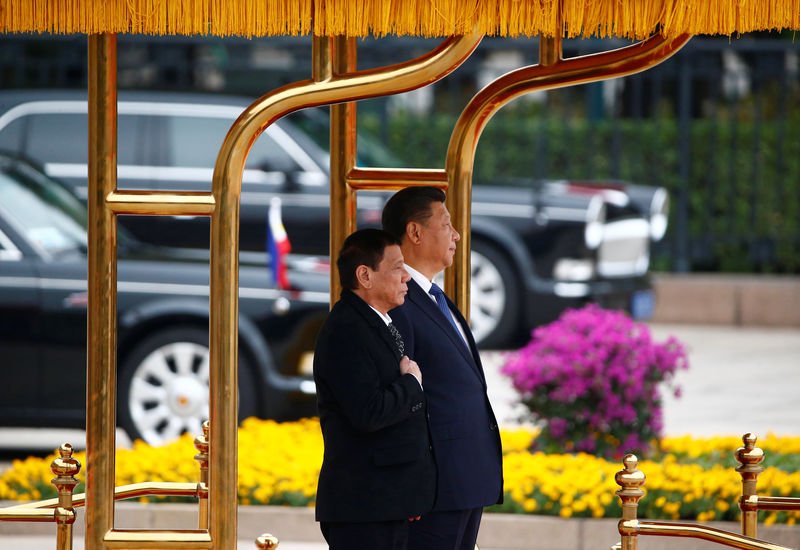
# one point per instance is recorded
(537, 248)
(162, 321)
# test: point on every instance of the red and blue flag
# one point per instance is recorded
(278, 245)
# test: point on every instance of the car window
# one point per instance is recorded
(316, 124)
(48, 215)
(63, 138)
(11, 136)
(195, 142)
(8, 252)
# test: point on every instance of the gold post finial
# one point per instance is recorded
(267, 542)
(750, 458)
(65, 468)
(201, 443)
(749, 455)
(631, 480)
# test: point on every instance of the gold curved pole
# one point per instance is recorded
(224, 279)
(343, 203)
(635, 527)
(551, 73)
(101, 377)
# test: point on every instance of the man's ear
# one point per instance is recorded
(363, 276)
(413, 232)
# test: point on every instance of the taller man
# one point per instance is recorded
(377, 471)
(466, 441)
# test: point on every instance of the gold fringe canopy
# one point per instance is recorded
(635, 19)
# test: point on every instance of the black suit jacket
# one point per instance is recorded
(378, 464)
(466, 440)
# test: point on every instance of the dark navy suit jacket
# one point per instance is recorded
(377, 464)
(466, 440)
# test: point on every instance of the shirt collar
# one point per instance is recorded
(424, 283)
(384, 316)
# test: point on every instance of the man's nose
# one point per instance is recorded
(456, 236)
(406, 276)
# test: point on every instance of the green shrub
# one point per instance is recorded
(743, 192)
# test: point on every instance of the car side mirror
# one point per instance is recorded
(291, 179)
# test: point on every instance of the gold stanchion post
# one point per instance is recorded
(631, 479)
(201, 444)
(65, 468)
(750, 458)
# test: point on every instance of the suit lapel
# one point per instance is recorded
(372, 320)
(426, 304)
(473, 347)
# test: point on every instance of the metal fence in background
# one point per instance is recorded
(718, 124)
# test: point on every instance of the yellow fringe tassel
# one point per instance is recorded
(624, 18)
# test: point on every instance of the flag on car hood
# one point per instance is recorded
(278, 245)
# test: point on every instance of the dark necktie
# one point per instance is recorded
(398, 339)
(438, 293)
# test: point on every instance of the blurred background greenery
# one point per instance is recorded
(718, 124)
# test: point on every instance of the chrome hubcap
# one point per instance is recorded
(169, 392)
(487, 296)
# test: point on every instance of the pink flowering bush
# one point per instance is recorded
(590, 380)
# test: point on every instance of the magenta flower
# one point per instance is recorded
(590, 379)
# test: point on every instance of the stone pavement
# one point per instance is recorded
(44, 542)
(739, 380)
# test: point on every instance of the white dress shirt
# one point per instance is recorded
(426, 285)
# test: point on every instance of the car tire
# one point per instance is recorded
(163, 386)
(494, 297)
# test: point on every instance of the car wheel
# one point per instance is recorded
(494, 297)
(163, 386)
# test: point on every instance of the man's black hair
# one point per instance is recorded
(364, 247)
(412, 204)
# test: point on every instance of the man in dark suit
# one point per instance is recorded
(378, 472)
(466, 441)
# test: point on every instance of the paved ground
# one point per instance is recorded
(740, 379)
(42, 542)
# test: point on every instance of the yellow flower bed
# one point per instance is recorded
(279, 464)
(695, 447)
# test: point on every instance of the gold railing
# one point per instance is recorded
(334, 81)
(329, 84)
(750, 458)
(552, 72)
(631, 480)
(61, 510)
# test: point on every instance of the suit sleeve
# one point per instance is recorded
(351, 375)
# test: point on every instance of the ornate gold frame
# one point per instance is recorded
(334, 81)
